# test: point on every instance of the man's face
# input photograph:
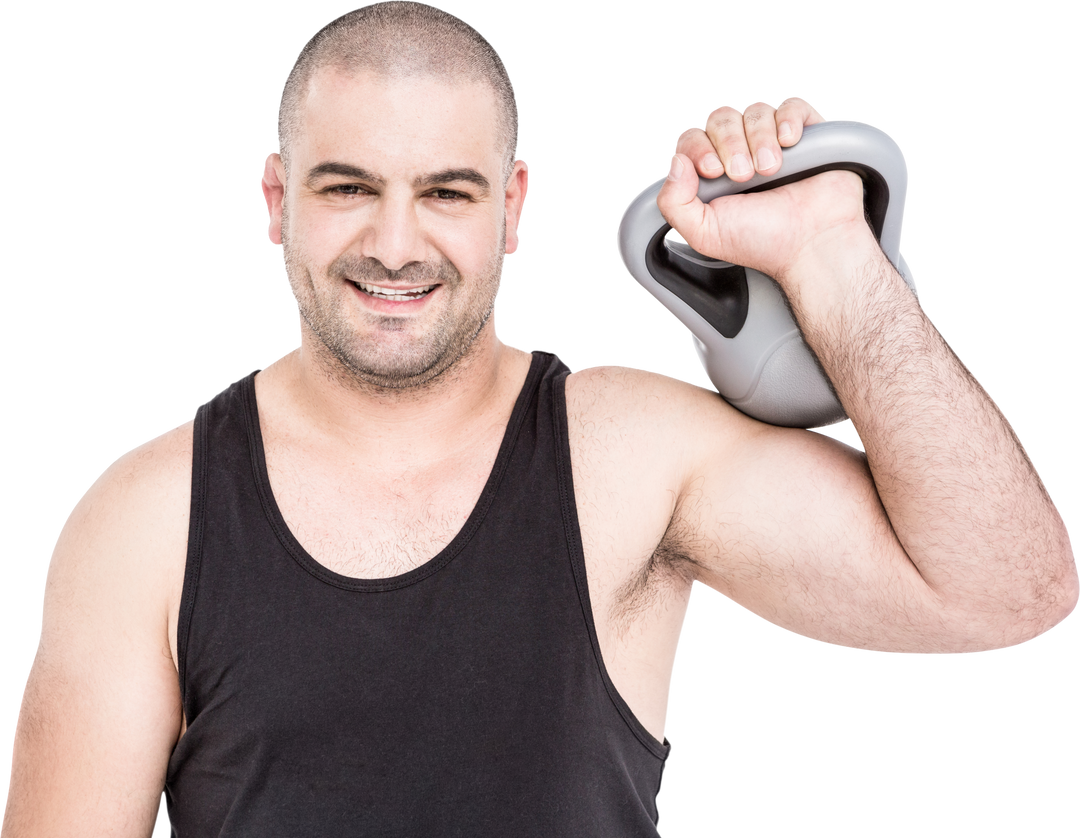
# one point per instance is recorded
(394, 220)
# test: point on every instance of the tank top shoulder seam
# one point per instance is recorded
(200, 464)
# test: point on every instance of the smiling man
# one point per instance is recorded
(410, 581)
(426, 192)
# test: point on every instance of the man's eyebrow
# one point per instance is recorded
(434, 179)
(454, 176)
(342, 170)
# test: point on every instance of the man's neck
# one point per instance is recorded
(473, 395)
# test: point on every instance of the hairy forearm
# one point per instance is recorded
(961, 495)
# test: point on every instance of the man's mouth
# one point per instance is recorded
(383, 292)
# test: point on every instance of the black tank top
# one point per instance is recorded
(466, 697)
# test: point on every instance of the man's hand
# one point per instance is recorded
(770, 231)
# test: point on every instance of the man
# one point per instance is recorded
(367, 467)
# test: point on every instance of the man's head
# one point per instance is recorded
(399, 195)
(399, 40)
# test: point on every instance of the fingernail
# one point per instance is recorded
(740, 165)
(765, 159)
(676, 168)
(711, 163)
(785, 131)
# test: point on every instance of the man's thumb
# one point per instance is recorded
(677, 199)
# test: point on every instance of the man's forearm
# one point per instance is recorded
(959, 490)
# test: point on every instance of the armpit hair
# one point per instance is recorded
(665, 574)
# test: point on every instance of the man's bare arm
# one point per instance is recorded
(963, 500)
(942, 537)
(102, 712)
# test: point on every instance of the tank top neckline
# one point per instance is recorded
(434, 564)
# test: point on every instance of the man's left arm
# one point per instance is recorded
(942, 537)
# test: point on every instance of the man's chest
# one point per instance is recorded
(367, 521)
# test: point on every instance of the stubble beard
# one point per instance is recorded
(372, 360)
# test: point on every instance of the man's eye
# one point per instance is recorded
(358, 189)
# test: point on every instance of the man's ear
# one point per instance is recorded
(273, 187)
(516, 187)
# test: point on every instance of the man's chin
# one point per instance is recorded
(391, 369)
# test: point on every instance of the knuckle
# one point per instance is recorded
(756, 113)
(688, 137)
(692, 141)
(722, 120)
(793, 102)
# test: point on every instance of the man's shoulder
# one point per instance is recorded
(627, 424)
(137, 507)
(151, 473)
(624, 376)
(635, 399)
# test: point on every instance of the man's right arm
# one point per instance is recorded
(102, 713)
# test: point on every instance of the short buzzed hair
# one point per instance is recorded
(400, 40)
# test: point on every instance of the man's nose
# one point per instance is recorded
(394, 237)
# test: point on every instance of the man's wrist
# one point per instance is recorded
(832, 277)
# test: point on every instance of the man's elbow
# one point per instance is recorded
(1048, 561)
(1054, 593)
(1066, 590)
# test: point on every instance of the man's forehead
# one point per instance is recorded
(411, 112)
(331, 88)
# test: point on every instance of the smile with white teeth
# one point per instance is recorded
(400, 294)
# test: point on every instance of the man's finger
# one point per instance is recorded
(791, 117)
(725, 130)
(696, 145)
(761, 136)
